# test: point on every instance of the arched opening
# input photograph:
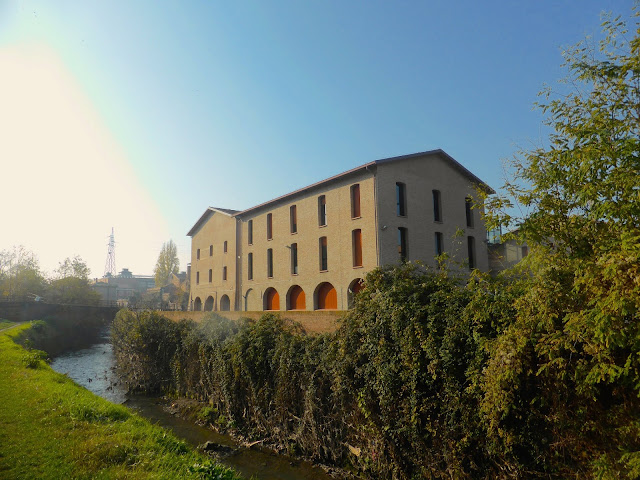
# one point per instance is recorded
(197, 304)
(225, 304)
(208, 304)
(249, 300)
(326, 297)
(271, 299)
(354, 288)
(296, 298)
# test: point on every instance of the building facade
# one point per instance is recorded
(311, 249)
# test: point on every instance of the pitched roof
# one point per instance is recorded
(205, 215)
(448, 158)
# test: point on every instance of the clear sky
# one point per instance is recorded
(138, 115)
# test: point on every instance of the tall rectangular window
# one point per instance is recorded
(471, 247)
(250, 232)
(402, 243)
(322, 244)
(224, 273)
(401, 199)
(293, 218)
(322, 210)
(210, 275)
(224, 247)
(198, 254)
(468, 203)
(355, 201)
(356, 241)
(250, 266)
(439, 243)
(269, 226)
(270, 262)
(294, 258)
(211, 250)
(437, 206)
(197, 278)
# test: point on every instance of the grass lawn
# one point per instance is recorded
(5, 323)
(52, 428)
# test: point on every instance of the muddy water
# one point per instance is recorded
(93, 369)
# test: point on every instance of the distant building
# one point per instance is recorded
(311, 249)
(126, 285)
(504, 254)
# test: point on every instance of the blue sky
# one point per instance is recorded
(229, 104)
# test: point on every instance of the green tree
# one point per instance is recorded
(20, 273)
(565, 377)
(167, 263)
(71, 284)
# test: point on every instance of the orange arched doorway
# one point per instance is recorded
(197, 304)
(326, 297)
(296, 298)
(271, 299)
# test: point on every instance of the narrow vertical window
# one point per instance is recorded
(322, 244)
(356, 241)
(468, 203)
(402, 243)
(437, 206)
(211, 250)
(224, 273)
(269, 226)
(322, 210)
(401, 199)
(210, 275)
(293, 218)
(471, 247)
(250, 267)
(355, 200)
(224, 247)
(197, 278)
(294, 258)
(198, 254)
(270, 262)
(250, 232)
(439, 244)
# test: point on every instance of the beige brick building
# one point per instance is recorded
(310, 249)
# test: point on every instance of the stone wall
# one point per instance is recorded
(25, 311)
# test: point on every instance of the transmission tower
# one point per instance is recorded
(110, 266)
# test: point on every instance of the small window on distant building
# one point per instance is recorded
(322, 244)
(355, 201)
(439, 243)
(356, 241)
(322, 210)
(210, 275)
(294, 258)
(402, 243)
(197, 278)
(211, 250)
(250, 232)
(250, 267)
(224, 247)
(468, 204)
(525, 251)
(269, 226)
(471, 247)
(401, 199)
(270, 262)
(224, 273)
(293, 218)
(437, 206)
(198, 254)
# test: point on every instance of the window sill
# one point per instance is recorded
(294, 233)
(356, 218)
(295, 274)
(322, 226)
(355, 267)
(324, 271)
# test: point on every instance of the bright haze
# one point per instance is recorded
(139, 115)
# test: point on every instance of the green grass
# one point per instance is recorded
(5, 323)
(52, 428)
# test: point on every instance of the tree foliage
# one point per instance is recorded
(167, 263)
(20, 273)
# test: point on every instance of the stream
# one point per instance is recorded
(92, 368)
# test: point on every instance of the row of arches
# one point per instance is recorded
(325, 297)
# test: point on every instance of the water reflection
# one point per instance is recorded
(93, 369)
